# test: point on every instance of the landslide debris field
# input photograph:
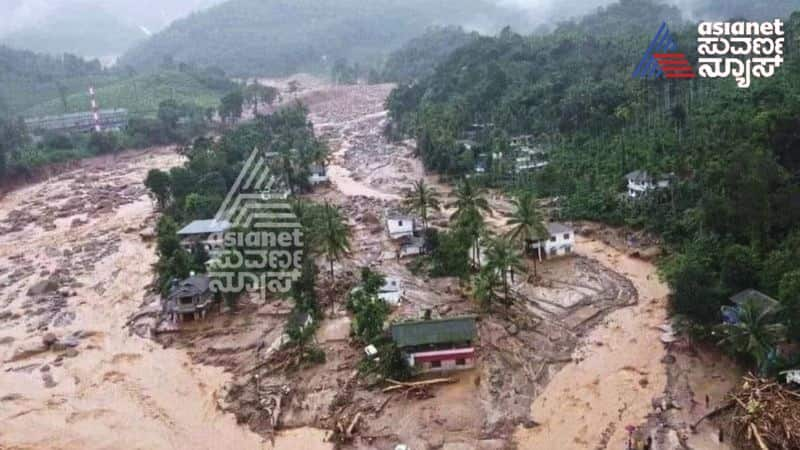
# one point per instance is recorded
(520, 349)
(569, 365)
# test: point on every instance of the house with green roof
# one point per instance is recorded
(437, 345)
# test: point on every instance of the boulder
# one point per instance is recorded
(43, 287)
(49, 339)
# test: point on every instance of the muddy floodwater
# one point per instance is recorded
(73, 268)
(576, 359)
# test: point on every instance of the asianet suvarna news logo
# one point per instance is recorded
(739, 50)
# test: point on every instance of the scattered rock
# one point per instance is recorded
(49, 339)
(43, 287)
(10, 398)
(70, 353)
(48, 380)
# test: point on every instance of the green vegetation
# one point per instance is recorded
(142, 94)
(730, 216)
(422, 199)
(196, 190)
(419, 57)
(281, 37)
(28, 78)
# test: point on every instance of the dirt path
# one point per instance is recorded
(98, 387)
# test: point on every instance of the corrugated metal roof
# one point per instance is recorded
(758, 296)
(441, 331)
(205, 227)
(190, 287)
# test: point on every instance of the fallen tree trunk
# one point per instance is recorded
(400, 385)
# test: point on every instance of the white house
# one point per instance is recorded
(319, 174)
(531, 159)
(400, 226)
(641, 182)
(522, 140)
(391, 292)
(560, 241)
(205, 232)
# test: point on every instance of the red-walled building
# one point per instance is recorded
(437, 345)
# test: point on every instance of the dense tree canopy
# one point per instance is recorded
(731, 217)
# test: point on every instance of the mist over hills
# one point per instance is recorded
(278, 37)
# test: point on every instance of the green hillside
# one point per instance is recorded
(730, 217)
(28, 78)
(141, 94)
(279, 37)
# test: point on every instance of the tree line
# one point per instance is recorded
(730, 219)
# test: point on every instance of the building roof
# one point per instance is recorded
(638, 176)
(557, 228)
(316, 168)
(399, 216)
(190, 287)
(758, 296)
(441, 331)
(205, 227)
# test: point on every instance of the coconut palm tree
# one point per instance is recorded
(527, 222)
(334, 237)
(502, 256)
(421, 199)
(471, 204)
(756, 332)
(469, 198)
(484, 288)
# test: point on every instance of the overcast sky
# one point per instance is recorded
(153, 14)
(156, 14)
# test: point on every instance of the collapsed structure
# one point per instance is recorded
(190, 297)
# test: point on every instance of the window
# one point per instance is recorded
(436, 364)
(553, 239)
(566, 236)
(461, 362)
(399, 223)
(568, 249)
(553, 252)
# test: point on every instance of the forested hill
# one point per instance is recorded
(419, 57)
(280, 37)
(27, 78)
(731, 219)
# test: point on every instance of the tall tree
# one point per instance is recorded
(756, 332)
(158, 182)
(484, 288)
(471, 205)
(231, 106)
(503, 257)
(422, 199)
(528, 223)
(334, 238)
